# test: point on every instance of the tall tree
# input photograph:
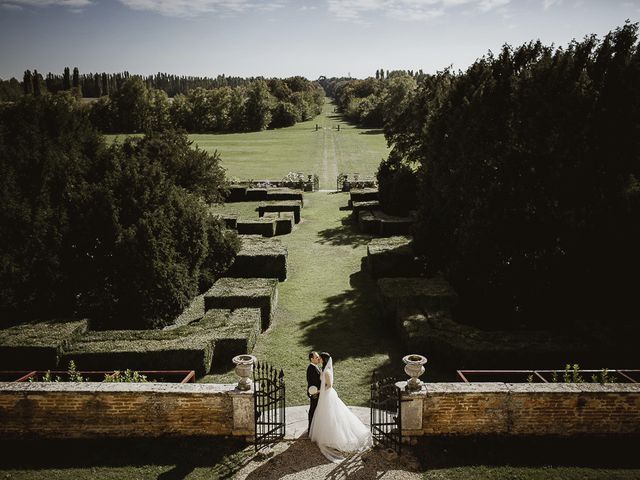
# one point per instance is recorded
(66, 79)
(37, 84)
(27, 83)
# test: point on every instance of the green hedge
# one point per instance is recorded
(236, 293)
(284, 206)
(433, 293)
(260, 226)
(38, 346)
(216, 337)
(433, 332)
(393, 257)
(260, 258)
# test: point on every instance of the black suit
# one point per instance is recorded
(313, 379)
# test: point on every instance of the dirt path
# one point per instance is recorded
(329, 159)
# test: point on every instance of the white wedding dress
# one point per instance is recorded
(335, 428)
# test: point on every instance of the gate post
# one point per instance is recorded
(412, 410)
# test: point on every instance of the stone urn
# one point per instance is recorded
(244, 369)
(414, 367)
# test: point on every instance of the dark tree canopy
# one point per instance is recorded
(529, 171)
(121, 234)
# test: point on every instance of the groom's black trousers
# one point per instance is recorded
(312, 409)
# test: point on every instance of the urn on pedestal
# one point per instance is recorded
(244, 368)
(414, 367)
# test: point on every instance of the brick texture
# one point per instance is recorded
(83, 410)
(529, 409)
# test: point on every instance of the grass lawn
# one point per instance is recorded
(327, 304)
(206, 458)
(271, 154)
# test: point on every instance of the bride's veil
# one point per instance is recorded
(328, 369)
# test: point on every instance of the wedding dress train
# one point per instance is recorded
(334, 428)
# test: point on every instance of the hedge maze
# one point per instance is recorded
(260, 258)
(368, 212)
(217, 325)
(283, 206)
(393, 257)
(258, 226)
(233, 293)
(38, 346)
(279, 210)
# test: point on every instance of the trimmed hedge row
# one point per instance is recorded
(432, 293)
(363, 195)
(259, 226)
(433, 332)
(377, 222)
(236, 293)
(38, 346)
(260, 258)
(393, 257)
(285, 206)
(218, 334)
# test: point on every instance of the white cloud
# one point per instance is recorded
(192, 8)
(547, 4)
(353, 10)
(18, 4)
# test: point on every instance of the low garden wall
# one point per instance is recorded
(514, 409)
(90, 410)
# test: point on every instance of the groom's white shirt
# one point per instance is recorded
(317, 367)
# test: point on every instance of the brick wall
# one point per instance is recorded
(77, 410)
(522, 409)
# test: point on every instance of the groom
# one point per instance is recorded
(313, 379)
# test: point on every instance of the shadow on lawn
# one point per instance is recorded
(350, 325)
(223, 456)
(345, 234)
(575, 451)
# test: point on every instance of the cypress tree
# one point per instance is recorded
(37, 91)
(27, 83)
(66, 79)
(76, 77)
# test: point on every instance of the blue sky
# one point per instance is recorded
(285, 37)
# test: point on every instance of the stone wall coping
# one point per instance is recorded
(524, 388)
(108, 387)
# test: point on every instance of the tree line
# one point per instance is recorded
(95, 85)
(132, 103)
(255, 106)
(525, 171)
(367, 101)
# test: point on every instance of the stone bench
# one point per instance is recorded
(260, 226)
(260, 258)
(285, 206)
(235, 293)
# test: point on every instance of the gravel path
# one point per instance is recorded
(301, 459)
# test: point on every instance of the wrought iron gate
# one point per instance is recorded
(268, 404)
(386, 412)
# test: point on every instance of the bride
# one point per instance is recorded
(336, 430)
